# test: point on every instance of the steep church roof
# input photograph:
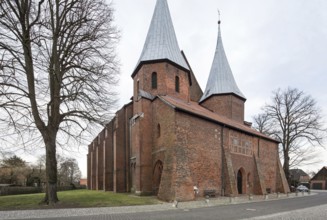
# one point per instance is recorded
(221, 79)
(161, 42)
(197, 110)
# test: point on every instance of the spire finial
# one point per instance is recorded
(219, 17)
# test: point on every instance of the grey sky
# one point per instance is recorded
(270, 44)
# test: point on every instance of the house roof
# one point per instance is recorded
(297, 173)
(195, 109)
(221, 79)
(161, 42)
(320, 172)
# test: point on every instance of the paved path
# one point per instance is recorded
(312, 213)
(61, 213)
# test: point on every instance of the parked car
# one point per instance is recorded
(302, 188)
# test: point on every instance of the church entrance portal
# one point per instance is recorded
(157, 172)
(239, 181)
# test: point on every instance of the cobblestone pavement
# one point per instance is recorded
(201, 202)
(312, 213)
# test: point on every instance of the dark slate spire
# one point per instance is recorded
(161, 42)
(221, 79)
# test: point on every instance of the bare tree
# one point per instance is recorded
(69, 172)
(57, 71)
(294, 119)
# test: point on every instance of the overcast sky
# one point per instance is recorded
(270, 44)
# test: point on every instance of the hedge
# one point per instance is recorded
(17, 190)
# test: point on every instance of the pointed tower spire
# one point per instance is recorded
(161, 42)
(221, 79)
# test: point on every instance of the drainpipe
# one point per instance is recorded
(222, 162)
(130, 153)
(112, 153)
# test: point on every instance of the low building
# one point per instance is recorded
(299, 177)
(319, 181)
(83, 182)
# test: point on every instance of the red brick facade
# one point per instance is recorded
(165, 143)
(319, 181)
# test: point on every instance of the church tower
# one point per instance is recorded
(161, 69)
(222, 94)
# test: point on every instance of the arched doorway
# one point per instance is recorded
(240, 182)
(157, 172)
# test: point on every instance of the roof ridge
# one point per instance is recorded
(196, 109)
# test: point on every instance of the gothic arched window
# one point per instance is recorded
(154, 80)
(177, 84)
(158, 130)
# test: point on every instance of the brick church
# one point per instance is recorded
(177, 142)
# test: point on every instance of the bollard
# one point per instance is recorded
(277, 194)
(207, 200)
(231, 199)
(296, 193)
(266, 196)
(250, 197)
(175, 204)
(309, 192)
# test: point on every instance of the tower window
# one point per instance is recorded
(154, 80)
(158, 130)
(177, 84)
(137, 90)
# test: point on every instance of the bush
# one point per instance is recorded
(16, 190)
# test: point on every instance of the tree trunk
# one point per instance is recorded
(51, 197)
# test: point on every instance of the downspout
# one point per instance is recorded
(112, 153)
(222, 162)
(125, 153)
(130, 153)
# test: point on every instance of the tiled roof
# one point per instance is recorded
(297, 173)
(196, 109)
(146, 95)
(161, 42)
(221, 79)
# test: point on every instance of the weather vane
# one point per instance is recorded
(218, 16)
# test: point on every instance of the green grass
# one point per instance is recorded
(75, 199)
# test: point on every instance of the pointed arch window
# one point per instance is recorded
(154, 80)
(137, 86)
(158, 130)
(177, 84)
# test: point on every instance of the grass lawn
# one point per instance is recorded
(75, 199)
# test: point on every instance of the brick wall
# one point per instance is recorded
(268, 157)
(141, 149)
(227, 105)
(199, 154)
(162, 149)
(166, 74)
